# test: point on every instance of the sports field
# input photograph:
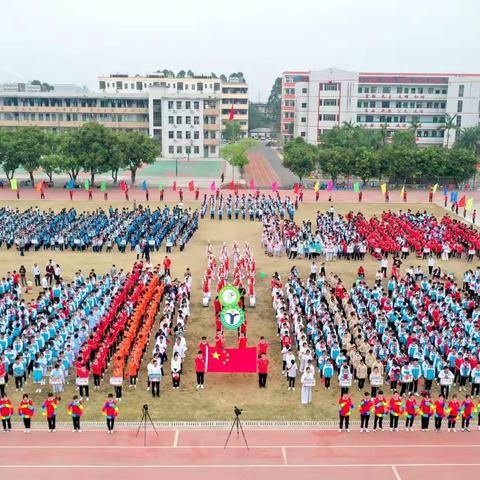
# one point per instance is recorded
(222, 391)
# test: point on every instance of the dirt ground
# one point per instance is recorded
(222, 391)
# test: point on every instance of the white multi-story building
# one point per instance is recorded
(315, 101)
(232, 91)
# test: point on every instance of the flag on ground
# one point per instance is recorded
(402, 191)
(231, 360)
(160, 185)
(13, 184)
(123, 185)
(296, 188)
(232, 185)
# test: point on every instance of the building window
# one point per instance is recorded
(459, 120)
(304, 120)
(179, 104)
(196, 105)
(330, 102)
(188, 120)
(196, 135)
(179, 120)
(170, 105)
(459, 106)
(430, 91)
(179, 149)
(302, 134)
(188, 150)
(304, 90)
(196, 149)
(329, 117)
(330, 86)
(304, 105)
(188, 105)
(386, 90)
(461, 89)
(385, 104)
(179, 134)
(170, 120)
(188, 135)
(170, 134)
(196, 120)
(170, 149)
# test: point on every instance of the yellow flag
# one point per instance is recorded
(402, 191)
(434, 188)
(13, 184)
(469, 204)
(383, 188)
(316, 187)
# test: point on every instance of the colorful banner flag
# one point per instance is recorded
(231, 360)
(469, 204)
(445, 191)
(103, 186)
(383, 188)
(231, 116)
(144, 185)
(402, 191)
(39, 186)
(86, 184)
(174, 186)
(252, 184)
(213, 187)
(232, 185)
(13, 184)
(316, 187)
(160, 185)
(191, 186)
(123, 185)
(454, 197)
(71, 184)
(356, 187)
(296, 189)
(330, 185)
(462, 201)
(274, 186)
(434, 188)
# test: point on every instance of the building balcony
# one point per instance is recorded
(211, 126)
(211, 141)
(288, 96)
(110, 110)
(65, 124)
(403, 96)
(402, 111)
(234, 96)
(211, 111)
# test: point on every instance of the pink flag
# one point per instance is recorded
(252, 184)
(213, 187)
(274, 186)
(330, 185)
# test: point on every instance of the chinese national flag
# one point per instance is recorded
(462, 202)
(191, 186)
(232, 113)
(231, 360)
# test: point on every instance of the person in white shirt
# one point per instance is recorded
(313, 271)
(154, 371)
(176, 368)
(36, 274)
(430, 263)
(445, 377)
(308, 382)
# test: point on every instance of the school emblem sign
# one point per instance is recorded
(232, 317)
(229, 296)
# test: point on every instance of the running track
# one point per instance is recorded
(277, 454)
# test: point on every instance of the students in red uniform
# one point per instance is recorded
(203, 345)
(167, 263)
(242, 341)
(200, 369)
(380, 410)
(49, 409)
(110, 410)
(262, 346)
(426, 410)
(439, 412)
(26, 410)
(411, 410)
(365, 407)
(395, 409)
(345, 407)
(453, 410)
(75, 409)
(467, 409)
(262, 368)
(6, 411)
(219, 340)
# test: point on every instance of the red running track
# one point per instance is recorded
(278, 454)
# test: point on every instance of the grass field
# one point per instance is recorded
(222, 391)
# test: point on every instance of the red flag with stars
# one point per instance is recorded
(231, 360)
(232, 114)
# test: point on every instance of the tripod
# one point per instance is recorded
(238, 424)
(143, 422)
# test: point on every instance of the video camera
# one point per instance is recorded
(238, 411)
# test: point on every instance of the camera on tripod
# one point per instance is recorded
(145, 407)
(238, 411)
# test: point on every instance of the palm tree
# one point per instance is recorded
(383, 134)
(449, 123)
(415, 125)
(469, 138)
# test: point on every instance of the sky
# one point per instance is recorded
(67, 41)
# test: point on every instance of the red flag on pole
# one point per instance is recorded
(252, 184)
(174, 186)
(232, 185)
(123, 185)
(232, 114)
(213, 187)
(462, 202)
(274, 186)
(231, 360)
(191, 186)
(296, 188)
(39, 186)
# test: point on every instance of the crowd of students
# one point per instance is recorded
(351, 236)
(247, 206)
(101, 230)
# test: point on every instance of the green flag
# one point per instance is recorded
(103, 186)
(86, 184)
(13, 184)
(356, 187)
(263, 274)
(160, 186)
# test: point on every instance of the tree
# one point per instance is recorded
(27, 147)
(140, 149)
(300, 157)
(181, 74)
(469, 138)
(67, 150)
(223, 77)
(450, 123)
(236, 153)
(91, 146)
(274, 103)
(256, 119)
(51, 164)
(366, 164)
(190, 74)
(405, 138)
(461, 164)
(232, 132)
(8, 161)
(332, 161)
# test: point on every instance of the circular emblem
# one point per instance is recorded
(232, 317)
(229, 296)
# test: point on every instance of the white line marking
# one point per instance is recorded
(395, 472)
(175, 440)
(284, 455)
(253, 465)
